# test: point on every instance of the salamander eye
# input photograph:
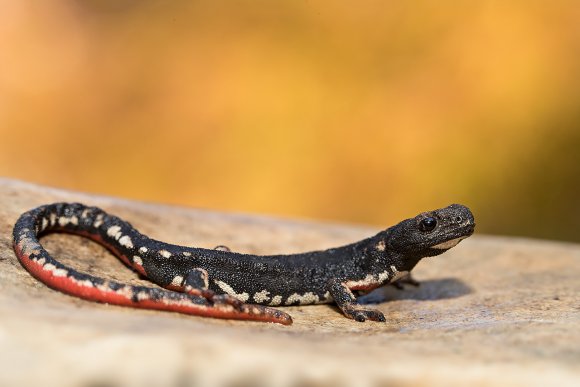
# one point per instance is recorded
(428, 224)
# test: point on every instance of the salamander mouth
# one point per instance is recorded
(464, 232)
(449, 244)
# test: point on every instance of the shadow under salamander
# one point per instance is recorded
(427, 290)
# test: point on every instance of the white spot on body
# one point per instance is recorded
(304, 299)
(126, 241)
(98, 221)
(55, 271)
(85, 283)
(177, 280)
(142, 296)
(187, 253)
(229, 290)
(85, 213)
(367, 281)
(114, 232)
(44, 224)
(53, 219)
(126, 291)
(383, 276)
(63, 220)
(380, 246)
(59, 272)
(261, 296)
(276, 300)
(164, 253)
(137, 259)
(370, 280)
(143, 250)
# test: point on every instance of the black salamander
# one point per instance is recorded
(225, 284)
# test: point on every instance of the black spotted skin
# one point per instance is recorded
(221, 283)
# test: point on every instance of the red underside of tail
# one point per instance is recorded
(89, 291)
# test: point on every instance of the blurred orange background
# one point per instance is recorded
(365, 112)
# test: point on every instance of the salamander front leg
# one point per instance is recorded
(197, 284)
(346, 301)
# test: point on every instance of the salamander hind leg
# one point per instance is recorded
(346, 301)
(197, 283)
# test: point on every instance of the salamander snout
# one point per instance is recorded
(458, 215)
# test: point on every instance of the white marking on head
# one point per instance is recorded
(126, 241)
(137, 259)
(276, 300)
(164, 253)
(447, 245)
(261, 296)
(177, 280)
(229, 290)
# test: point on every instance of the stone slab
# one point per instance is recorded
(492, 311)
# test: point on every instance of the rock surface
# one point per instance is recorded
(492, 311)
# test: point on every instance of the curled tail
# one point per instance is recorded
(79, 219)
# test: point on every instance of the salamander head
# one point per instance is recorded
(432, 233)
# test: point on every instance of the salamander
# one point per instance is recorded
(225, 284)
